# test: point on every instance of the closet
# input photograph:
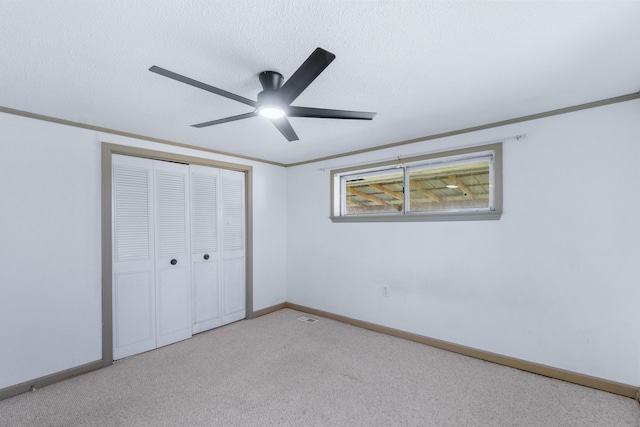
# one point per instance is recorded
(178, 251)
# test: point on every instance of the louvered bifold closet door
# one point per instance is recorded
(173, 250)
(233, 245)
(134, 322)
(205, 253)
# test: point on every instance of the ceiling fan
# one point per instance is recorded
(274, 102)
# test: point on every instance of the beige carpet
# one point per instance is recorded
(279, 371)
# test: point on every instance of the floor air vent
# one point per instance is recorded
(307, 319)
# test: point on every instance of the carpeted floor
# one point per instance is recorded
(278, 371)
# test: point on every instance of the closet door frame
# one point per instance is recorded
(108, 150)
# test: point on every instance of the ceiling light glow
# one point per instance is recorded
(271, 112)
(452, 186)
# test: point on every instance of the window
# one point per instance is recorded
(462, 184)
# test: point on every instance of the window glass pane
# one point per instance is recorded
(459, 186)
(375, 193)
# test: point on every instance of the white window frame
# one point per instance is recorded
(492, 152)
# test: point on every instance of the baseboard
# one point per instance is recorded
(37, 383)
(536, 368)
(268, 310)
(548, 371)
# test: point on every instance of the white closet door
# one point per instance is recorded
(233, 246)
(173, 263)
(134, 322)
(206, 220)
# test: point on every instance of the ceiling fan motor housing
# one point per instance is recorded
(271, 80)
(267, 97)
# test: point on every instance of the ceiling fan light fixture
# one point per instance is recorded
(274, 102)
(271, 111)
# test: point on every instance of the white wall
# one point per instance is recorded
(50, 243)
(554, 281)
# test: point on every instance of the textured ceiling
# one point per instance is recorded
(424, 67)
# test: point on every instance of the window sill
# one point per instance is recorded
(450, 216)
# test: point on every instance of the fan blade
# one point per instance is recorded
(285, 128)
(322, 113)
(304, 75)
(203, 86)
(226, 120)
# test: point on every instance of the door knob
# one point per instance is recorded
(174, 261)
(206, 256)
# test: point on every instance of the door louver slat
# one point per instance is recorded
(172, 226)
(205, 213)
(232, 211)
(131, 199)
